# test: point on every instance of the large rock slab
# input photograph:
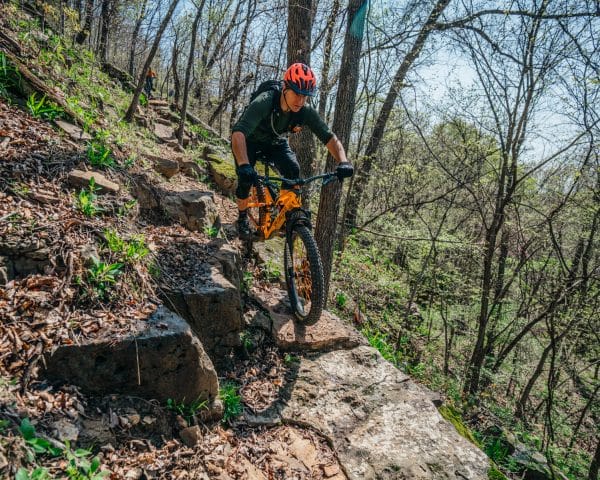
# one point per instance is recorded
(73, 131)
(163, 132)
(80, 178)
(381, 424)
(162, 360)
(328, 333)
(213, 310)
(164, 166)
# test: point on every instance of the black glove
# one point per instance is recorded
(344, 170)
(247, 174)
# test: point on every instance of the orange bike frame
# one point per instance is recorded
(266, 225)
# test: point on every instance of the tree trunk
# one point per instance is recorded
(188, 74)
(329, 204)
(595, 465)
(83, 34)
(237, 82)
(134, 37)
(324, 83)
(364, 170)
(104, 30)
(300, 22)
(142, 77)
(174, 68)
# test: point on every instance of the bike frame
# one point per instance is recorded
(286, 202)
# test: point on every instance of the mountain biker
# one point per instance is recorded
(263, 129)
(150, 79)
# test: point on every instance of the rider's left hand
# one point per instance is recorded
(344, 170)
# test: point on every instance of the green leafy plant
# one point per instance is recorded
(38, 473)
(43, 108)
(212, 232)
(86, 200)
(247, 279)
(232, 402)
(100, 155)
(80, 467)
(102, 276)
(39, 445)
(9, 75)
(126, 208)
(341, 299)
(133, 250)
(290, 359)
(143, 100)
(271, 271)
(187, 410)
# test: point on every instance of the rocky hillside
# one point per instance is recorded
(135, 341)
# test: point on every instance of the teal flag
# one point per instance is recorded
(357, 29)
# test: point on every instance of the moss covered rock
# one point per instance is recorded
(223, 174)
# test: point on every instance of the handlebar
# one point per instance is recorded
(327, 178)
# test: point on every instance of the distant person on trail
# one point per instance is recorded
(276, 110)
(150, 79)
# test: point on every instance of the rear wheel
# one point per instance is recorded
(304, 274)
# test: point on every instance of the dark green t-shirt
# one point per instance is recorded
(263, 121)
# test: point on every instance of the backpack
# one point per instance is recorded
(297, 119)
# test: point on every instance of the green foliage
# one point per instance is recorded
(9, 75)
(232, 402)
(38, 473)
(126, 208)
(99, 155)
(80, 467)
(39, 445)
(290, 359)
(453, 416)
(43, 108)
(211, 232)
(271, 271)
(246, 339)
(247, 280)
(341, 299)
(102, 276)
(86, 200)
(202, 133)
(495, 474)
(187, 410)
(381, 342)
(129, 251)
(143, 100)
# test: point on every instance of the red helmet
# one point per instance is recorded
(301, 79)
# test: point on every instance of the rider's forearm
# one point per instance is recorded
(238, 145)
(336, 149)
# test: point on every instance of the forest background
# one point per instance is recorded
(466, 246)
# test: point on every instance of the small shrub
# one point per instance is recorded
(79, 467)
(102, 276)
(211, 232)
(39, 445)
(341, 299)
(187, 411)
(42, 108)
(100, 155)
(271, 271)
(247, 280)
(232, 402)
(86, 200)
(38, 473)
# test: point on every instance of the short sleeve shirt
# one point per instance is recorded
(263, 121)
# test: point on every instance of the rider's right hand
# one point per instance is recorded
(247, 174)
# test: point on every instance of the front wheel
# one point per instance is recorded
(304, 274)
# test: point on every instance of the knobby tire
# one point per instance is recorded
(304, 274)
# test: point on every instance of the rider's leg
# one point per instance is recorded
(242, 193)
(286, 163)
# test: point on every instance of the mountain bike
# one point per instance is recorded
(273, 211)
